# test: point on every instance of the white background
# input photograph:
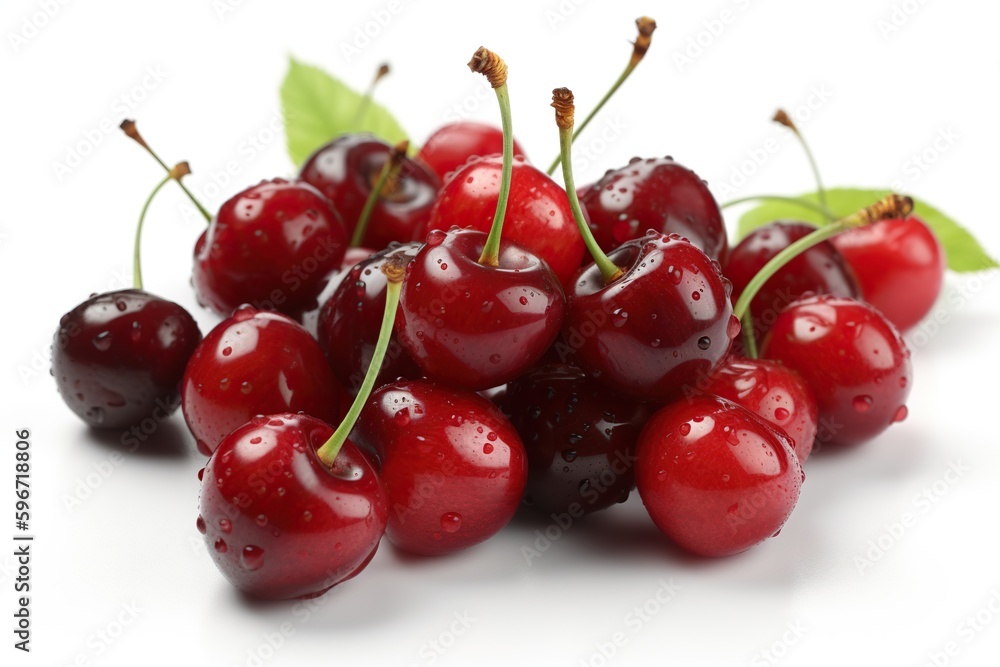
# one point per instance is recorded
(126, 560)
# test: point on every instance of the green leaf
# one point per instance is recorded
(318, 107)
(964, 253)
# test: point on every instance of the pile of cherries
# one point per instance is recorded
(415, 347)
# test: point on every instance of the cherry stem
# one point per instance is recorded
(893, 206)
(129, 128)
(494, 69)
(562, 102)
(366, 101)
(784, 119)
(394, 271)
(180, 170)
(641, 44)
(804, 203)
(389, 170)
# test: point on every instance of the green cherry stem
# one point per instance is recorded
(782, 118)
(385, 183)
(180, 170)
(804, 203)
(641, 44)
(893, 206)
(129, 128)
(562, 102)
(394, 272)
(366, 101)
(494, 69)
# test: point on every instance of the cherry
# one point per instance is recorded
(347, 171)
(272, 246)
(255, 362)
(819, 270)
(716, 478)
(580, 439)
(772, 391)
(538, 214)
(278, 521)
(659, 194)
(310, 318)
(900, 266)
(852, 357)
(454, 144)
(454, 467)
(350, 320)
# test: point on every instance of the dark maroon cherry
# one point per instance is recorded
(255, 363)
(349, 322)
(278, 521)
(580, 439)
(852, 357)
(819, 270)
(716, 478)
(310, 318)
(271, 246)
(659, 326)
(454, 144)
(773, 391)
(472, 325)
(118, 357)
(655, 193)
(454, 468)
(347, 169)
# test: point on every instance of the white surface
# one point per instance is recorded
(132, 542)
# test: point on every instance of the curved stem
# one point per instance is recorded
(328, 452)
(491, 250)
(136, 261)
(749, 335)
(815, 170)
(373, 197)
(804, 203)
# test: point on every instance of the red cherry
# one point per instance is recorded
(454, 144)
(772, 391)
(475, 326)
(538, 218)
(818, 270)
(254, 363)
(278, 522)
(716, 478)
(658, 327)
(270, 246)
(659, 194)
(348, 168)
(310, 318)
(900, 266)
(579, 437)
(454, 467)
(350, 321)
(852, 357)
(118, 357)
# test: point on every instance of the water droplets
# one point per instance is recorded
(781, 414)
(901, 413)
(200, 523)
(451, 522)
(227, 350)
(487, 448)
(704, 343)
(734, 327)
(102, 341)
(684, 429)
(252, 557)
(495, 358)
(226, 526)
(221, 546)
(619, 317)
(862, 403)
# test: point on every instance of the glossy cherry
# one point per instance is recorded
(899, 265)
(454, 144)
(271, 246)
(659, 326)
(118, 357)
(350, 320)
(819, 270)
(658, 194)
(716, 478)
(579, 437)
(347, 169)
(772, 391)
(278, 521)
(852, 357)
(476, 326)
(352, 256)
(454, 467)
(255, 363)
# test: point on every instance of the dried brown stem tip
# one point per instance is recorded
(781, 117)
(562, 102)
(129, 128)
(395, 268)
(180, 170)
(396, 157)
(893, 206)
(383, 69)
(646, 26)
(489, 65)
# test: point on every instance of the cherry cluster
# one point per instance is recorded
(484, 337)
